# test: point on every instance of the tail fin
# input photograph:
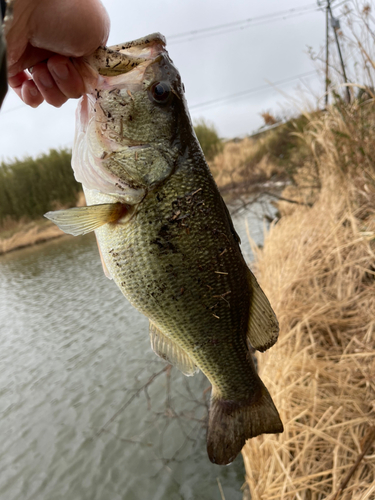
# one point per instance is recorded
(231, 423)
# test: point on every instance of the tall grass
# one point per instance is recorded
(317, 267)
(242, 166)
(318, 270)
(30, 187)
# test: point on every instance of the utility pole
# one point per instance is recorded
(336, 25)
(327, 52)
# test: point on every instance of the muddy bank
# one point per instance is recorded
(31, 234)
(24, 234)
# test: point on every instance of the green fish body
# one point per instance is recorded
(167, 240)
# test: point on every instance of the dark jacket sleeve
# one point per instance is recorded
(3, 58)
(3, 5)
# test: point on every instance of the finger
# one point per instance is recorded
(66, 76)
(30, 57)
(69, 28)
(26, 89)
(30, 94)
(18, 79)
(47, 86)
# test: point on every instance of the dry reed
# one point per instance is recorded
(318, 270)
(30, 235)
(235, 166)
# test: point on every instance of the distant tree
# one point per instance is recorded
(208, 138)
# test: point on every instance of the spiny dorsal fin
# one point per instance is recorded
(171, 352)
(263, 327)
(83, 220)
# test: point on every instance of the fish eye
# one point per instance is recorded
(161, 92)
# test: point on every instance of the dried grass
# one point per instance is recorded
(318, 270)
(228, 165)
(238, 165)
(29, 235)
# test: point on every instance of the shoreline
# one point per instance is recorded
(31, 234)
(42, 230)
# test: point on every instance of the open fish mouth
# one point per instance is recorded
(111, 75)
(119, 60)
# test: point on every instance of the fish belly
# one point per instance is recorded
(177, 262)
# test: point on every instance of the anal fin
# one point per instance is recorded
(263, 327)
(167, 349)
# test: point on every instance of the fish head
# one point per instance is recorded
(130, 124)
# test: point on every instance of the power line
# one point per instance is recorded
(228, 27)
(241, 28)
(222, 100)
(240, 25)
(236, 23)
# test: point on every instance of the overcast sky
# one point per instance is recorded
(263, 51)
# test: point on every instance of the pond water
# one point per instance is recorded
(87, 411)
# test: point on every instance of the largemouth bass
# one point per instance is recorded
(166, 237)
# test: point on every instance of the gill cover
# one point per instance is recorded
(121, 143)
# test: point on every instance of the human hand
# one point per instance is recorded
(43, 36)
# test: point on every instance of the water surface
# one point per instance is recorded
(87, 411)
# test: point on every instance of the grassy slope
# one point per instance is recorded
(317, 268)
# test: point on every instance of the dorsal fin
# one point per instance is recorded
(164, 347)
(263, 327)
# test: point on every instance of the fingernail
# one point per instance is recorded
(46, 81)
(61, 71)
(33, 91)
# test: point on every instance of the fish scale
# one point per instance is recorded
(147, 278)
(166, 237)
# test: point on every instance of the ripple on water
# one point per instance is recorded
(73, 352)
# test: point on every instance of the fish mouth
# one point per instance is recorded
(114, 70)
(142, 49)
(107, 66)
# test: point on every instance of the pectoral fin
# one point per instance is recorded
(83, 220)
(263, 327)
(171, 352)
